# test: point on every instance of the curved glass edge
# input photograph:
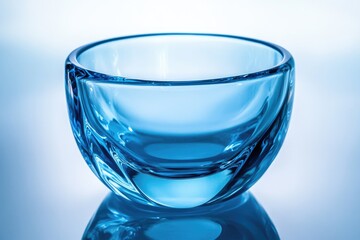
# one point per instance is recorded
(265, 151)
(284, 65)
(239, 218)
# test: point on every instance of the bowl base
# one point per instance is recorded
(182, 192)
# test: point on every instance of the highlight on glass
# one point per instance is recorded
(179, 120)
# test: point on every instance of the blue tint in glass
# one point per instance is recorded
(179, 120)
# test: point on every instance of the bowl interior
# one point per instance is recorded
(179, 57)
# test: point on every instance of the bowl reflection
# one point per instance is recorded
(239, 218)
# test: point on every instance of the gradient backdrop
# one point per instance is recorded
(312, 190)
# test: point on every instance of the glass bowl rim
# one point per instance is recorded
(282, 66)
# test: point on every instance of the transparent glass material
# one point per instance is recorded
(179, 120)
(239, 218)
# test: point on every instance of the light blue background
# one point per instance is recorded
(312, 189)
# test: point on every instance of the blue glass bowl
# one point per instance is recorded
(179, 119)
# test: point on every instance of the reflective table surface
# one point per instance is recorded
(311, 190)
(238, 218)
